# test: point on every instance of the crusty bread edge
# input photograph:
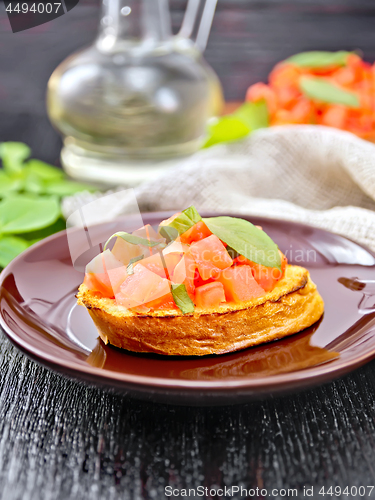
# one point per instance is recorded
(293, 305)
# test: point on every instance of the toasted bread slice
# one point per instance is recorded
(293, 305)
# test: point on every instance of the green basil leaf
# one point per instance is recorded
(226, 129)
(39, 234)
(246, 239)
(131, 238)
(66, 187)
(169, 233)
(192, 214)
(322, 90)
(319, 59)
(180, 224)
(21, 213)
(182, 299)
(13, 154)
(253, 114)
(130, 266)
(33, 184)
(10, 247)
(44, 171)
(9, 183)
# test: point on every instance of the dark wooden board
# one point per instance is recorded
(60, 439)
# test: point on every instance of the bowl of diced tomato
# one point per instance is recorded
(335, 89)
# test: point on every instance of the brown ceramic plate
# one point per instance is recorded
(38, 312)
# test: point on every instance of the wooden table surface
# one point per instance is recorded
(60, 439)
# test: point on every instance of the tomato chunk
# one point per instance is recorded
(142, 287)
(239, 284)
(211, 256)
(105, 274)
(209, 295)
(199, 281)
(164, 302)
(266, 277)
(195, 233)
(162, 265)
(184, 272)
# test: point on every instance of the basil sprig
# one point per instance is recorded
(29, 191)
(246, 239)
(319, 59)
(322, 90)
(182, 299)
(10, 247)
(131, 238)
(23, 175)
(180, 224)
(25, 219)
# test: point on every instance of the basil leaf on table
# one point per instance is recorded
(182, 299)
(226, 129)
(65, 187)
(10, 247)
(9, 184)
(13, 154)
(246, 239)
(247, 118)
(319, 59)
(33, 236)
(20, 214)
(33, 183)
(131, 238)
(253, 114)
(43, 170)
(322, 90)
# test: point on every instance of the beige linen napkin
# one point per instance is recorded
(311, 174)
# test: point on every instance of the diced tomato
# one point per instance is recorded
(209, 295)
(285, 75)
(345, 76)
(239, 284)
(357, 66)
(147, 232)
(335, 116)
(164, 269)
(211, 256)
(166, 222)
(287, 96)
(302, 111)
(195, 233)
(154, 264)
(260, 91)
(164, 302)
(266, 277)
(184, 272)
(199, 281)
(124, 251)
(142, 287)
(95, 285)
(105, 274)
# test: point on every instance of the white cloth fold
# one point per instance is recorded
(311, 174)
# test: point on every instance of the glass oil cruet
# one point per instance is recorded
(139, 97)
